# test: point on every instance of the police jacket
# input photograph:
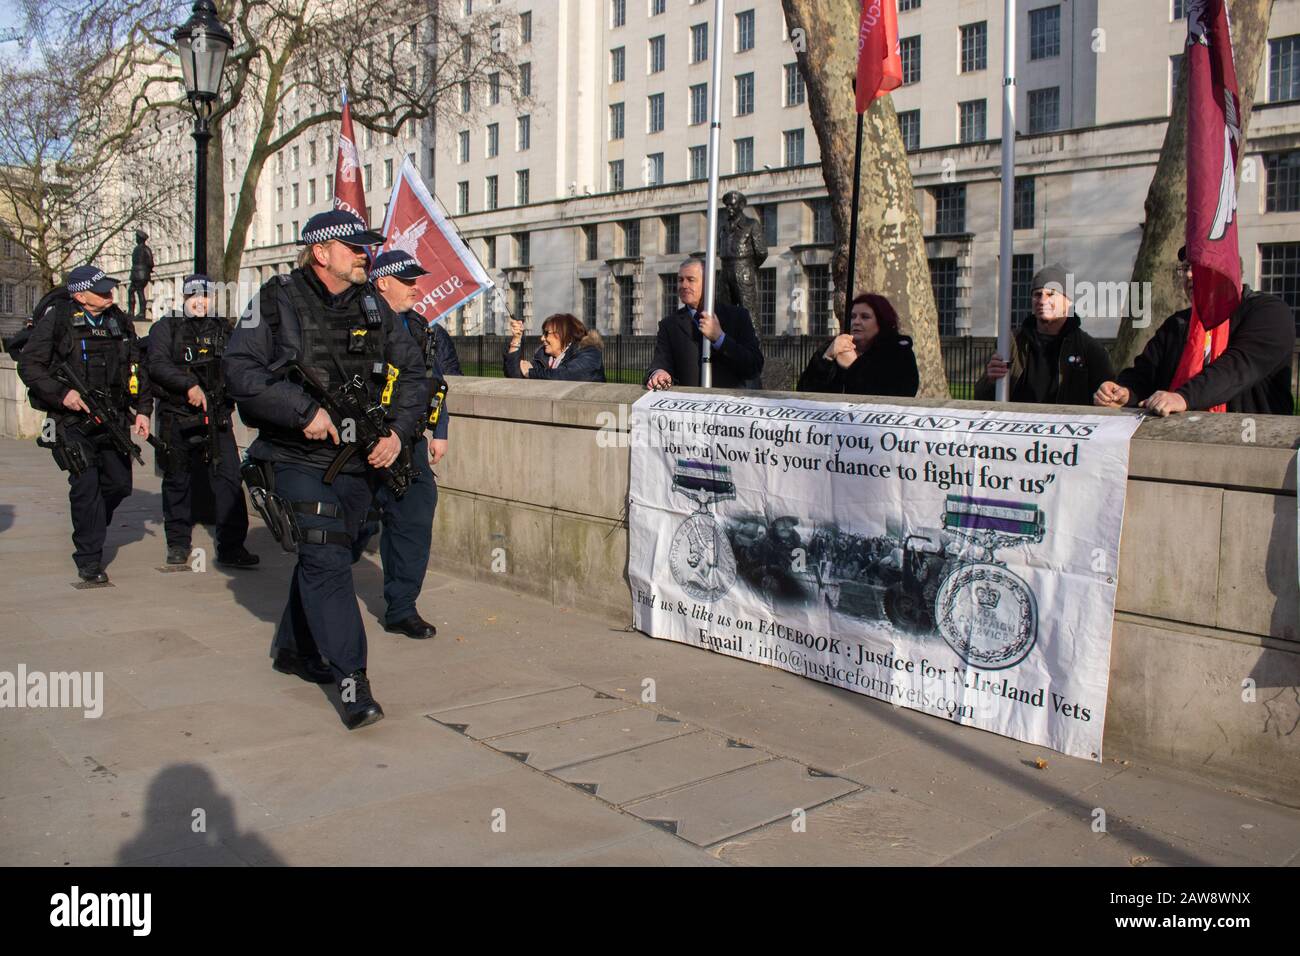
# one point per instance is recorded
(1253, 375)
(737, 361)
(295, 318)
(887, 367)
(103, 349)
(582, 361)
(440, 358)
(1078, 370)
(185, 351)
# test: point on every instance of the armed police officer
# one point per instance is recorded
(82, 365)
(335, 386)
(408, 521)
(194, 425)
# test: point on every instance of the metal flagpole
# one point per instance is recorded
(1006, 220)
(715, 136)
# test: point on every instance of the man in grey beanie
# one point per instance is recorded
(1053, 361)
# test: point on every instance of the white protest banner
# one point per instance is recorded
(955, 561)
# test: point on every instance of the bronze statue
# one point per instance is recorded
(742, 250)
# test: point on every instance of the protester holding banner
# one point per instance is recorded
(569, 352)
(736, 357)
(1053, 361)
(872, 358)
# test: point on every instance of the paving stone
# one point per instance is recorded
(560, 745)
(483, 721)
(652, 849)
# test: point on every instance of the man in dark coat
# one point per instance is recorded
(1053, 361)
(736, 356)
(1253, 375)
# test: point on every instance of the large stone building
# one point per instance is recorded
(586, 193)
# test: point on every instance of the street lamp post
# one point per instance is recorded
(203, 43)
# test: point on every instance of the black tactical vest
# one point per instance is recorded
(340, 343)
(103, 352)
(198, 343)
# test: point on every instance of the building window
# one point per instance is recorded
(524, 133)
(767, 301)
(949, 209)
(1045, 32)
(616, 176)
(329, 183)
(657, 54)
(1022, 280)
(588, 302)
(672, 235)
(311, 195)
(490, 244)
(909, 125)
(974, 46)
(699, 42)
(618, 13)
(462, 146)
(631, 229)
(795, 91)
(699, 104)
(1180, 10)
(1279, 273)
(793, 142)
(464, 96)
(493, 140)
(490, 191)
(909, 52)
(494, 89)
(668, 293)
(589, 237)
(279, 198)
(767, 216)
(521, 187)
(626, 305)
(279, 233)
(943, 281)
(1045, 110)
(823, 225)
(616, 121)
(657, 7)
(699, 156)
(517, 300)
(744, 31)
(972, 118)
(525, 79)
(654, 169)
(1284, 69)
(523, 248)
(1282, 189)
(656, 110)
(1023, 203)
(617, 65)
(819, 299)
(744, 155)
(526, 27)
(1175, 79)
(905, 5)
(744, 94)
(293, 192)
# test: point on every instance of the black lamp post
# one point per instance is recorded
(203, 44)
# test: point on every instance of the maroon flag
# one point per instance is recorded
(349, 190)
(1213, 139)
(880, 68)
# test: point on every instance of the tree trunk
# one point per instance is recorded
(891, 249)
(1165, 228)
(215, 267)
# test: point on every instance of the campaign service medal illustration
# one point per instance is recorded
(985, 612)
(701, 558)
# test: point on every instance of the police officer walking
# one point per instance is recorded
(84, 339)
(408, 521)
(322, 324)
(194, 422)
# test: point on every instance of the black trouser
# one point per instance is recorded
(135, 291)
(321, 617)
(183, 461)
(407, 534)
(95, 494)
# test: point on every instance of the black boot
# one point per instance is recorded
(241, 558)
(414, 626)
(178, 556)
(92, 574)
(312, 670)
(359, 706)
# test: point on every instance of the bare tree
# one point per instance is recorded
(1166, 204)
(891, 248)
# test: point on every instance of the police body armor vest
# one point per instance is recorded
(102, 351)
(349, 339)
(198, 344)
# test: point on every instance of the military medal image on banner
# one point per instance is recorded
(701, 558)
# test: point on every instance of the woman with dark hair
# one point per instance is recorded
(569, 352)
(872, 358)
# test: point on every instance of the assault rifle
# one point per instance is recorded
(101, 413)
(350, 402)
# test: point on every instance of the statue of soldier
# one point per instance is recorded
(742, 250)
(141, 273)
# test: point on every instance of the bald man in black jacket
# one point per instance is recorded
(736, 357)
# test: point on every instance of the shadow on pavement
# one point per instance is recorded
(6, 518)
(129, 524)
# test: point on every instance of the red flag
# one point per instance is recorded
(349, 190)
(880, 68)
(1213, 139)
(417, 223)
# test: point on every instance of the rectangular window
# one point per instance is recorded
(329, 184)
(699, 104)
(1022, 279)
(588, 302)
(618, 13)
(631, 230)
(494, 89)
(974, 46)
(279, 233)
(699, 157)
(766, 301)
(521, 188)
(526, 27)
(1045, 110)
(1180, 10)
(490, 191)
(616, 176)
(744, 94)
(464, 96)
(668, 293)
(909, 52)
(293, 192)
(523, 248)
(823, 226)
(311, 195)
(795, 91)
(279, 198)
(657, 7)
(523, 133)
(490, 246)
(672, 235)
(767, 216)
(943, 281)
(909, 125)
(462, 146)
(616, 121)
(905, 5)
(1284, 69)
(654, 169)
(793, 143)
(617, 65)
(626, 305)
(293, 158)
(1023, 203)
(1282, 189)
(493, 140)
(949, 209)
(658, 55)
(972, 118)
(1045, 32)
(525, 79)
(589, 239)
(744, 155)
(744, 31)
(819, 299)
(655, 106)
(699, 42)
(388, 174)
(1279, 273)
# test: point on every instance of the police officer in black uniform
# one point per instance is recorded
(194, 422)
(89, 332)
(324, 316)
(408, 521)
